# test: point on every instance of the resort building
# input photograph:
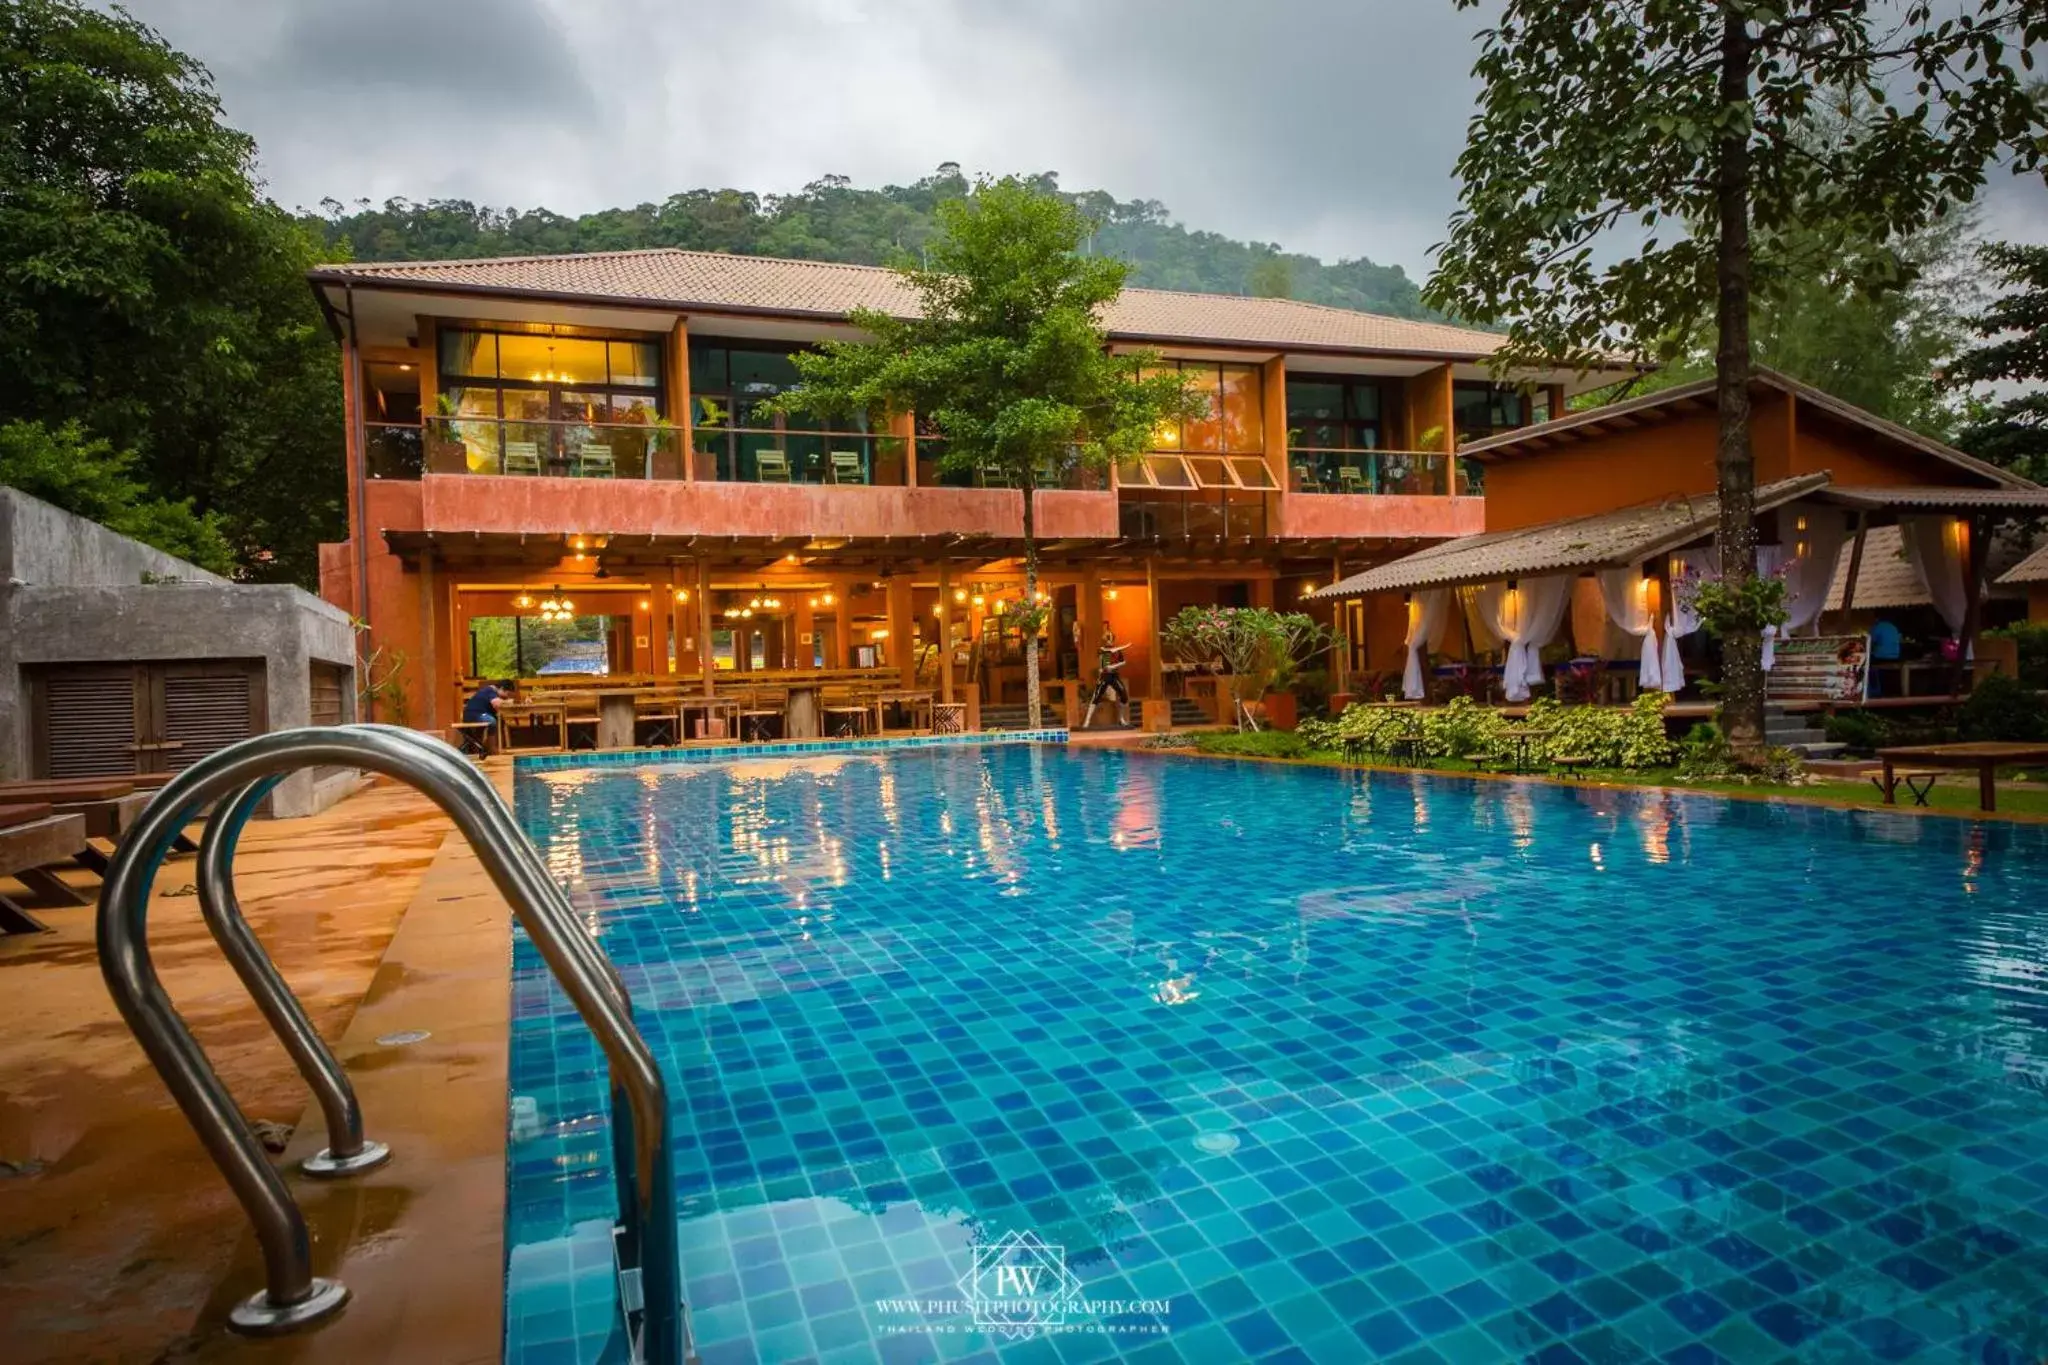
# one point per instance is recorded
(579, 438)
(1594, 518)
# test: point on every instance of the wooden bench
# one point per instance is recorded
(1919, 781)
(473, 736)
(31, 839)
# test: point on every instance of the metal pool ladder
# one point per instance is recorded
(235, 780)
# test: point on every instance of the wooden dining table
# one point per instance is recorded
(516, 714)
(1986, 756)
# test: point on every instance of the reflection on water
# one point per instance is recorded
(1494, 1066)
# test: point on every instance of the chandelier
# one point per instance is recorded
(555, 607)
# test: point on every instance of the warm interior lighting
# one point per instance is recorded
(979, 599)
(577, 543)
(523, 601)
(682, 594)
(755, 603)
(959, 594)
(645, 605)
(814, 603)
(878, 635)
(938, 610)
(1111, 594)
(828, 599)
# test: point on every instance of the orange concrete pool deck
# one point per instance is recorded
(119, 1240)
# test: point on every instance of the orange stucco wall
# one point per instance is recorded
(545, 506)
(1603, 472)
(1855, 457)
(1393, 515)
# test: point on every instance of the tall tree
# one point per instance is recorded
(1634, 162)
(1007, 359)
(148, 291)
(2011, 430)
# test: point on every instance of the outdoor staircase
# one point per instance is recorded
(1187, 711)
(1009, 718)
(1802, 734)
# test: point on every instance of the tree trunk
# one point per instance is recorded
(1742, 673)
(1031, 707)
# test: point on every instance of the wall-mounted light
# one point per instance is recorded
(959, 594)
(979, 599)
(645, 605)
(682, 594)
(828, 599)
(1110, 594)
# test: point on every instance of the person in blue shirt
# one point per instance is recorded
(482, 708)
(1884, 648)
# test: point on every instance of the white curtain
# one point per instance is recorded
(1425, 618)
(1935, 545)
(1681, 621)
(1809, 568)
(1526, 617)
(1628, 606)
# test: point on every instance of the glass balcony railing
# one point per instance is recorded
(1412, 473)
(577, 450)
(393, 451)
(1067, 474)
(764, 455)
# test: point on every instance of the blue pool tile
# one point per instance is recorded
(1342, 1066)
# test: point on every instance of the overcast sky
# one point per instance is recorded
(1329, 126)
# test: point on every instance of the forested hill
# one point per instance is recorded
(831, 220)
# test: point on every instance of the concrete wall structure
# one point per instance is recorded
(75, 592)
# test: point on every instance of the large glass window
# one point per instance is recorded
(536, 403)
(1480, 410)
(737, 438)
(1342, 413)
(1234, 423)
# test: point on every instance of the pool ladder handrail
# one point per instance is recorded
(235, 780)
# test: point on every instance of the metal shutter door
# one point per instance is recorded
(89, 722)
(204, 712)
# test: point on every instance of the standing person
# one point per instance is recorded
(1885, 648)
(482, 709)
(1109, 669)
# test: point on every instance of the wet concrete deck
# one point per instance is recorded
(118, 1239)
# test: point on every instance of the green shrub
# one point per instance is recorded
(1864, 732)
(2002, 708)
(1460, 729)
(1611, 738)
(1253, 743)
(1704, 753)
(1320, 734)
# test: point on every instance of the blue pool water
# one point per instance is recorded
(1329, 1066)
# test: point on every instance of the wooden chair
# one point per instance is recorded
(580, 720)
(473, 736)
(657, 721)
(765, 709)
(771, 466)
(1305, 480)
(844, 716)
(1351, 479)
(594, 461)
(522, 457)
(845, 467)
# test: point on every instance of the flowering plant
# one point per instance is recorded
(1259, 648)
(1740, 606)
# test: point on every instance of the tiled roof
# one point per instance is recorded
(1602, 540)
(1886, 578)
(2032, 569)
(715, 281)
(1907, 499)
(1532, 441)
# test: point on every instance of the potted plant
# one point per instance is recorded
(1262, 651)
(446, 452)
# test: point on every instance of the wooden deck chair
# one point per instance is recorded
(522, 457)
(1351, 479)
(771, 466)
(594, 461)
(846, 467)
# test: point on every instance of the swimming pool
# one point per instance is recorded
(1328, 1065)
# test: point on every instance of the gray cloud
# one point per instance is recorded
(1329, 126)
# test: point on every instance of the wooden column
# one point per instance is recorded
(704, 665)
(1977, 554)
(902, 630)
(842, 626)
(679, 398)
(430, 663)
(903, 426)
(1340, 674)
(1089, 617)
(1155, 680)
(945, 630)
(1855, 562)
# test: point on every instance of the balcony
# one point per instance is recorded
(1380, 473)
